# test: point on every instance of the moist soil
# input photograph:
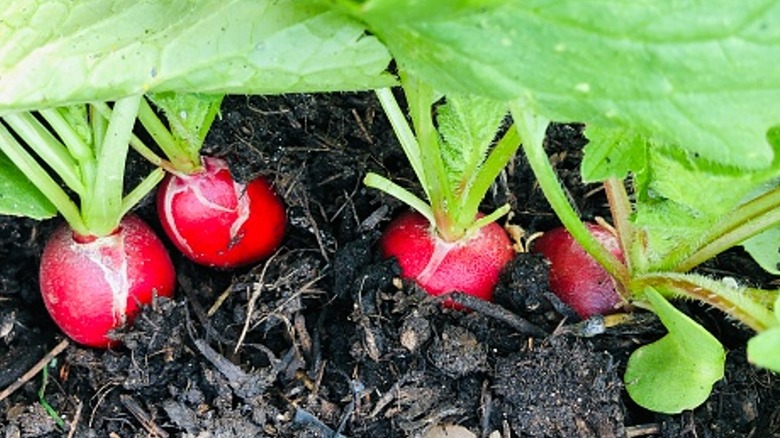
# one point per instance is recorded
(324, 340)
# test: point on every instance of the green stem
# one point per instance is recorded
(746, 221)
(731, 300)
(489, 218)
(138, 145)
(137, 194)
(381, 183)
(620, 207)
(177, 154)
(404, 134)
(64, 126)
(45, 404)
(532, 129)
(48, 148)
(421, 97)
(422, 151)
(102, 208)
(42, 180)
(496, 162)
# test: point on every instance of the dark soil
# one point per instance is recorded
(323, 340)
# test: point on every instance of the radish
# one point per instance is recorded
(212, 219)
(92, 285)
(218, 222)
(446, 244)
(471, 265)
(575, 277)
(99, 268)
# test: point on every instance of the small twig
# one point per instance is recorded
(299, 323)
(318, 379)
(76, 418)
(497, 312)
(32, 372)
(314, 227)
(200, 314)
(100, 396)
(387, 397)
(348, 203)
(244, 385)
(643, 430)
(305, 418)
(362, 127)
(251, 305)
(140, 414)
(486, 409)
(218, 303)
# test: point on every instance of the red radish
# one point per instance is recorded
(218, 222)
(471, 265)
(91, 285)
(575, 277)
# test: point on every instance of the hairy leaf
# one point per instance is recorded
(468, 126)
(54, 53)
(680, 195)
(702, 75)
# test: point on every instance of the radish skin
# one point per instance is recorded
(472, 265)
(92, 285)
(575, 277)
(218, 222)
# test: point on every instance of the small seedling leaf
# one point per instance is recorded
(764, 348)
(18, 196)
(676, 372)
(765, 249)
(613, 152)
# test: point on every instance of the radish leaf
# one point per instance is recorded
(18, 196)
(677, 371)
(681, 195)
(113, 48)
(764, 348)
(468, 125)
(691, 72)
(613, 152)
(765, 249)
(190, 115)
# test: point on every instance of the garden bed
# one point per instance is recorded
(324, 339)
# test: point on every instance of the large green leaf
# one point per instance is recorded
(613, 152)
(701, 74)
(54, 53)
(18, 196)
(677, 371)
(680, 195)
